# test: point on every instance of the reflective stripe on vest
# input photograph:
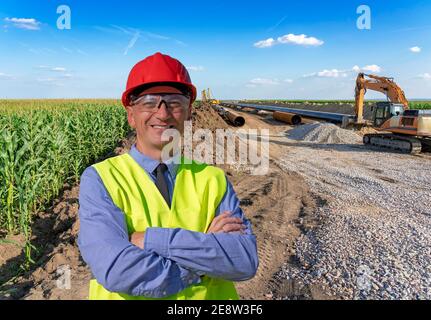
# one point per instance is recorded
(197, 193)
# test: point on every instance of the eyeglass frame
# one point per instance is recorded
(135, 101)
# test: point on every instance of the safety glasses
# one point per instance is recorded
(175, 103)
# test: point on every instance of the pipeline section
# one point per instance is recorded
(328, 116)
(289, 118)
(229, 116)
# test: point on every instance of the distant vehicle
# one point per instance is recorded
(206, 97)
(402, 129)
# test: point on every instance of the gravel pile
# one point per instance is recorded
(324, 133)
(374, 241)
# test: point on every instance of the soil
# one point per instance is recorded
(278, 204)
(281, 209)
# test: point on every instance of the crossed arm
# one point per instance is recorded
(161, 261)
(221, 223)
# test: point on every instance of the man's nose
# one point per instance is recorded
(162, 111)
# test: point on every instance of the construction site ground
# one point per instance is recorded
(332, 221)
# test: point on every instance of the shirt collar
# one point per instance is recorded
(150, 164)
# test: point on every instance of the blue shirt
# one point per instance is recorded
(172, 258)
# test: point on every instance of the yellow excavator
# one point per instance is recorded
(206, 97)
(403, 129)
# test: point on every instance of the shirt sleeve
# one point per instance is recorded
(115, 262)
(231, 256)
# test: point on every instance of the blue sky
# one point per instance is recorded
(315, 51)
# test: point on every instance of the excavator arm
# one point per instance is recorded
(204, 96)
(382, 84)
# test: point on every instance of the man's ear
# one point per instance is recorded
(130, 117)
(189, 117)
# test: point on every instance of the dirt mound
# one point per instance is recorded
(204, 116)
(327, 133)
(279, 207)
(366, 130)
(10, 246)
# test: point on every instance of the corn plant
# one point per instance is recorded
(44, 144)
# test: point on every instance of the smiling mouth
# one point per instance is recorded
(162, 126)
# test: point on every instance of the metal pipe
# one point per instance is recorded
(333, 117)
(230, 116)
(287, 117)
(235, 119)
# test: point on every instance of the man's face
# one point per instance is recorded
(150, 125)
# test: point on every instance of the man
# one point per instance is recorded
(152, 229)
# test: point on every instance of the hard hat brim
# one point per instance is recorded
(160, 87)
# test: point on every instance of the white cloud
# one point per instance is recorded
(370, 68)
(67, 50)
(263, 81)
(132, 42)
(58, 69)
(61, 73)
(415, 49)
(46, 79)
(55, 69)
(265, 43)
(195, 68)
(136, 34)
(4, 76)
(343, 73)
(82, 52)
(157, 36)
(332, 73)
(24, 23)
(425, 76)
(300, 39)
(181, 43)
(266, 82)
(50, 82)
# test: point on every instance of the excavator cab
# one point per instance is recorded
(400, 129)
(383, 111)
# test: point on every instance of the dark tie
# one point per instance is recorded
(161, 182)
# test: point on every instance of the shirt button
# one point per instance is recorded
(164, 293)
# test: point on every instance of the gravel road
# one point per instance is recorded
(374, 236)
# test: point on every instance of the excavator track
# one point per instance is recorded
(394, 142)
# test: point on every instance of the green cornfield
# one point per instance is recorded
(420, 105)
(45, 144)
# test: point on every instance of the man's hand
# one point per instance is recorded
(225, 223)
(137, 238)
(222, 223)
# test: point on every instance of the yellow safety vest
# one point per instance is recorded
(198, 191)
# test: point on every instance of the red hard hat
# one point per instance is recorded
(158, 69)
